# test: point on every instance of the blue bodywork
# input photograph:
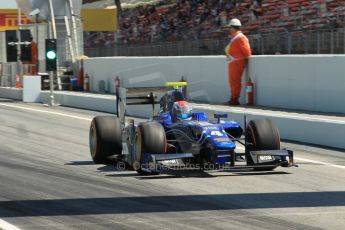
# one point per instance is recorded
(198, 132)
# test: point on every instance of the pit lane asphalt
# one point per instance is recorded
(48, 181)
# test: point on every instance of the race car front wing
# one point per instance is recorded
(259, 159)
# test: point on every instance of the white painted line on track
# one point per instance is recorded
(320, 162)
(273, 114)
(307, 160)
(46, 112)
(240, 148)
(7, 226)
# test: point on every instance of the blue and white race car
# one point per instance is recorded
(177, 138)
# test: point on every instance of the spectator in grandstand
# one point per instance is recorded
(333, 23)
(185, 19)
(237, 52)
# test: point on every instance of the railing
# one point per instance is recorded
(330, 41)
(8, 74)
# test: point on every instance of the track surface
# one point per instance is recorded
(49, 182)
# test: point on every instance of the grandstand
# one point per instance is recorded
(203, 20)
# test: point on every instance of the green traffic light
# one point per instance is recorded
(51, 55)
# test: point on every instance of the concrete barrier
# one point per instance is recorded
(32, 89)
(306, 82)
(96, 102)
(11, 93)
(207, 76)
(308, 128)
(313, 129)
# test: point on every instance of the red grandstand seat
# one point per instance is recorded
(289, 24)
(295, 5)
(306, 3)
(333, 4)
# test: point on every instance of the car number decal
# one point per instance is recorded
(217, 133)
(170, 162)
(265, 158)
(224, 139)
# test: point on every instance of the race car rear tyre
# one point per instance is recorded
(150, 138)
(263, 135)
(105, 138)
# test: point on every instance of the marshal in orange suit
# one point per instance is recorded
(237, 52)
(34, 57)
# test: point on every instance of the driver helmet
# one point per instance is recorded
(182, 110)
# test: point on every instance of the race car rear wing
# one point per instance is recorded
(141, 96)
(123, 99)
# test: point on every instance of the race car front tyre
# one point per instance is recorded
(263, 135)
(105, 138)
(150, 138)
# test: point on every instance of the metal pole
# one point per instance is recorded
(52, 17)
(74, 26)
(318, 41)
(51, 73)
(69, 37)
(19, 63)
(37, 37)
(332, 41)
(289, 40)
(306, 44)
(51, 82)
(344, 39)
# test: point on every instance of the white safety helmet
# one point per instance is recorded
(235, 22)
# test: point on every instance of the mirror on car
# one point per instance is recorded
(220, 115)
